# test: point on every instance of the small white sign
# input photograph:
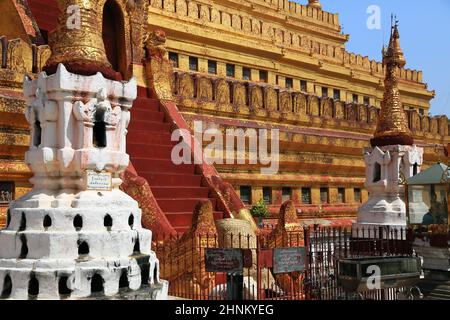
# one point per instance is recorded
(100, 181)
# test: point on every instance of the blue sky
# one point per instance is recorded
(424, 32)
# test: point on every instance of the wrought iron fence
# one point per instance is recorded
(182, 261)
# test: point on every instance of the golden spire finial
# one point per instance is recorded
(392, 126)
(78, 42)
(315, 4)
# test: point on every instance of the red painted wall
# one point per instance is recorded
(45, 12)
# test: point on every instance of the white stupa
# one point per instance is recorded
(76, 234)
(393, 157)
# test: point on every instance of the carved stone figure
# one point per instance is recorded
(193, 10)
(256, 98)
(226, 19)
(186, 86)
(327, 108)
(426, 124)
(246, 24)
(182, 8)
(204, 89)
(362, 113)
(313, 106)
(271, 99)
(222, 92)
(239, 95)
(204, 13)
(158, 68)
(339, 109)
(351, 112)
(415, 121)
(215, 15)
(373, 115)
(236, 22)
(256, 26)
(299, 103)
(434, 126)
(285, 102)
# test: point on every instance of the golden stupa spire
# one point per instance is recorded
(314, 4)
(392, 126)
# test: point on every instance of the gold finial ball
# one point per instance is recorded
(315, 4)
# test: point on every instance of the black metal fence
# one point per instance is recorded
(183, 263)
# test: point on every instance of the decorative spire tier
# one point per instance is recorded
(392, 126)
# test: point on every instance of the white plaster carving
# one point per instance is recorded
(62, 235)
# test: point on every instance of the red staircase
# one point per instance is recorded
(177, 188)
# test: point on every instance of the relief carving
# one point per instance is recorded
(222, 92)
(169, 5)
(271, 99)
(226, 19)
(415, 121)
(313, 106)
(186, 86)
(340, 110)
(434, 127)
(215, 15)
(239, 95)
(246, 24)
(156, 3)
(158, 69)
(256, 100)
(327, 108)
(285, 102)
(443, 126)
(267, 30)
(425, 124)
(299, 103)
(351, 111)
(204, 13)
(204, 89)
(256, 27)
(362, 113)
(236, 22)
(193, 10)
(181, 6)
(373, 115)
(19, 56)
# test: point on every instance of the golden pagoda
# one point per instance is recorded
(392, 125)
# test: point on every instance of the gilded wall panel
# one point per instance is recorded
(340, 110)
(186, 86)
(215, 15)
(299, 104)
(193, 11)
(313, 106)
(256, 97)
(239, 95)
(285, 102)
(271, 99)
(204, 89)
(222, 92)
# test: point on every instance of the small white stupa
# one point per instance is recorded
(392, 157)
(76, 234)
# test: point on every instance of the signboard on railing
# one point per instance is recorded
(287, 260)
(224, 260)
